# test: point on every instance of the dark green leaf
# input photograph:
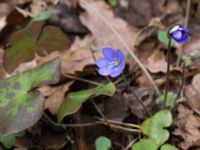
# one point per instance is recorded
(75, 99)
(20, 107)
(25, 43)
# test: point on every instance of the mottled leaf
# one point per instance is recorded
(20, 106)
(75, 99)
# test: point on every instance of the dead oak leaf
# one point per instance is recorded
(188, 126)
(103, 35)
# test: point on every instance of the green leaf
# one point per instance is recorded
(20, 106)
(103, 143)
(171, 97)
(163, 37)
(112, 2)
(33, 39)
(187, 60)
(8, 141)
(44, 15)
(154, 126)
(148, 144)
(74, 100)
(168, 147)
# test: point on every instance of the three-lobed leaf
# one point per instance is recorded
(20, 106)
(154, 126)
(147, 144)
(74, 100)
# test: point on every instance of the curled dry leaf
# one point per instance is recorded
(103, 35)
(188, 126)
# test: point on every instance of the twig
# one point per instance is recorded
(121, 128)
(187, 15)
(121, 123)
(129, 145)
(125, 45)
(83, 80)
(168, 72)
(67, 125)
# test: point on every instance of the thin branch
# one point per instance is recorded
(67, 125)
(83, 80)
(121, 123)
(125, 44)
(187, 15)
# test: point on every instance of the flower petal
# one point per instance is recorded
(120, 55)
(104, 71)
(102, 62)
(118, 70)
(109, 53)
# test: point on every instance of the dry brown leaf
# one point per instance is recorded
(76, 58)
(196, 82)
(47, 90)
(156, 62)
(192, 45)
(2, 71)
(188, 126)
(54, 101)
(103, 35)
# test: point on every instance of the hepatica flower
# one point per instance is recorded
(112, 64)
(179, 34)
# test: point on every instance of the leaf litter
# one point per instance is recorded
(77, 50)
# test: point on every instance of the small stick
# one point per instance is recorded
(67, 125)
(83, 80)
(121, 123)
(168, 72)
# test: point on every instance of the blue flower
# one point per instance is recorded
(113, 64)
(179, 34)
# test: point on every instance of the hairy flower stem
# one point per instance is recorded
(124, 43)
(168, 72)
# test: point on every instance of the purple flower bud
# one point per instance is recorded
(112, 64)
(179, 34)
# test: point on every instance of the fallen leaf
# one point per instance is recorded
(156, 62)
(54, 101)
(196, 82)
(188, 126)
(103, 35)
(193, 98)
